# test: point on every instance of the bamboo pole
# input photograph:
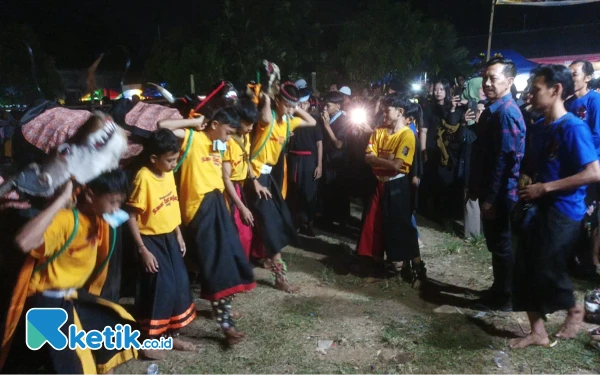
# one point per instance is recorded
(489, 46)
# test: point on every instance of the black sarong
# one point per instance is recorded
(303, 188)
(87, 312)
(215, 246)
(273, 225)
(164, 299)
(387, 223)
(541, 283)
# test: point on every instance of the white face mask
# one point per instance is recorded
(219, 146)
(116, 219)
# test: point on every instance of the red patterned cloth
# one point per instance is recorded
(146, 116)
(53, 127)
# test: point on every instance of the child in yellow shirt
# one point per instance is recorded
(387, 227)
(68, 254)
(164, 300)
(210, 231)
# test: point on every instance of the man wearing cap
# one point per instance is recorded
(305, 167)
(347, 96)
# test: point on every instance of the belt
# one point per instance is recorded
(266, 169)
(61, 293)
(301, 153)
(391, 178)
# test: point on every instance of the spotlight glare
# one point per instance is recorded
(358, 116)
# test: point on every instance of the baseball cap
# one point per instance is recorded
(346, 91)
(301, 83)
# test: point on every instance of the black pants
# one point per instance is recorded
(498, 238)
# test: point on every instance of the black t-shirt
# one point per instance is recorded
(305, 139)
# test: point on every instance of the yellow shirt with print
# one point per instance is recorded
(73, 267)
(201, 172)
(269, 154)
(236, 156)
(400, 145)
(156, 203)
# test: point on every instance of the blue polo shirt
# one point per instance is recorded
(559, 153)
(587, 108)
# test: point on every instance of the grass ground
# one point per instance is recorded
(376, 325)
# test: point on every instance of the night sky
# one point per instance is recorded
(75, 32)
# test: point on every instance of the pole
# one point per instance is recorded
(489, 47)
(192, 84)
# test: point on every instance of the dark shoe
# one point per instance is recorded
(419, 275)
(406, 273)
(490, 303)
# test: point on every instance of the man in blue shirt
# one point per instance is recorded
(495, 162)
(561, 159)
(585, 103)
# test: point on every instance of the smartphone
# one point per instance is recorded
(473, 105)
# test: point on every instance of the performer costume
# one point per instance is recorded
(68, 271)
(387, 220)
(237, 154)
(164, 299)
(212, 236)
(273, 226)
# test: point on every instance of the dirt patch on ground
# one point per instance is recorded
(375, 327)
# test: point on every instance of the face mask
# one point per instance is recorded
(115, 220)
(219, 146)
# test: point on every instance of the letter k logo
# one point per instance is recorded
(43, 325)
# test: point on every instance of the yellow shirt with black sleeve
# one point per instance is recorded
(156, 203)
(73, 267)
(400, 145)
(269, 141)
(201, 172)
(237, 157)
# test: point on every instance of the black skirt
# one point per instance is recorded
(272, 219)
(87, 312)
(302, 186)
(541, 281)
(215, 246)
(164, 299)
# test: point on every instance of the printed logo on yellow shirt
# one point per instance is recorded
(165, 201)
(280, 140)
(214, 158)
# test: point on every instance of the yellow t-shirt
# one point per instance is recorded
(400, 145)
(201, 173)
(73, 267)
(270, 152)
(156, 203)
(235, 155)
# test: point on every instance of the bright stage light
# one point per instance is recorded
(358, 116)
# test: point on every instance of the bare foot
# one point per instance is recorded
(185, 346)
(233, 337)
(286, 286)
(531, 339)
(153, 354)
(267, 263)
(572, 324)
